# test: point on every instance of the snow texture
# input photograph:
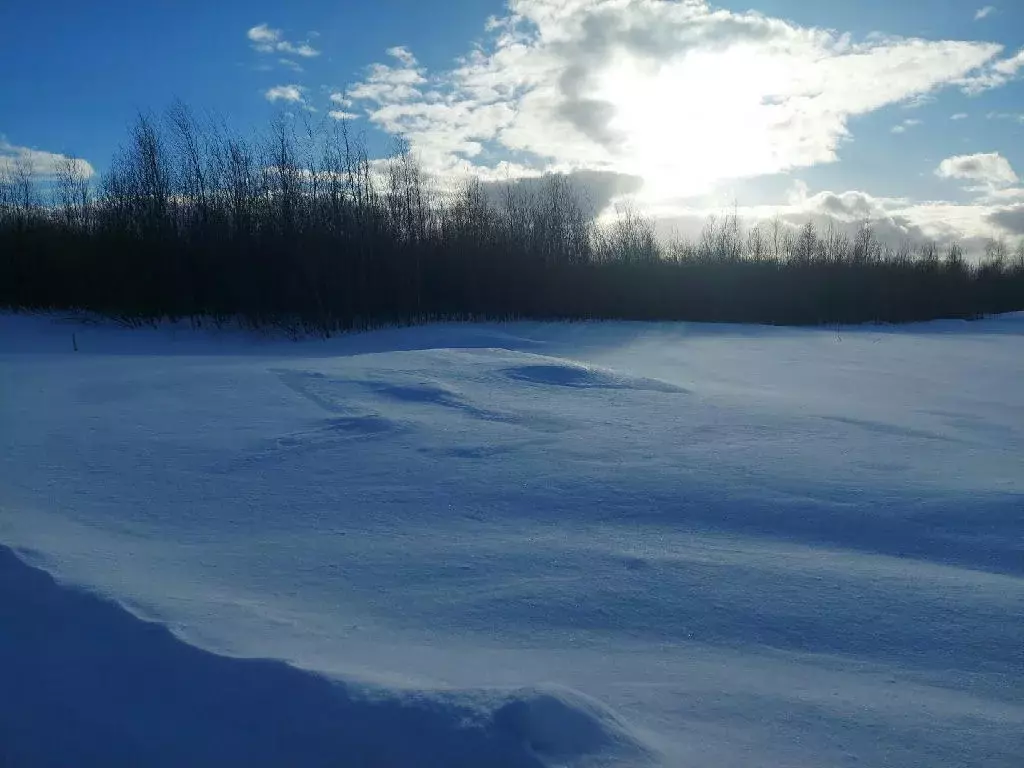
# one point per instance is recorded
(590, 544)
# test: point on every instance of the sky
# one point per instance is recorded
(908, 115)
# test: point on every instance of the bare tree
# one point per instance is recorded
(806, 246)
(73, 192)
(757, 244)
(298, 227)
(25, 189)
(997, 253)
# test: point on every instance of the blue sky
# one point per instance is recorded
(804, 109)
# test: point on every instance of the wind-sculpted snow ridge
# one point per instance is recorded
(521, 544)
(85, 682)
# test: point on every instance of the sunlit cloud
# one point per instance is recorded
(687, 100)
(984, 13)
(990, 173)
(626, 86)
(38, 163)
(990, 168)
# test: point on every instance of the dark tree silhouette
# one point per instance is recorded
(300, 229)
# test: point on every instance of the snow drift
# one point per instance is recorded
(88, 683)
(523, 545)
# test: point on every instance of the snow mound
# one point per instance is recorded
(85, 677)
(561, 724)
(569, 374)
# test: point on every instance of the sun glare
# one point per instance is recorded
(707, 117)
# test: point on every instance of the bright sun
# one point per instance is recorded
(707, 117)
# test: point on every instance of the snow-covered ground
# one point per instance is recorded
(513, 545)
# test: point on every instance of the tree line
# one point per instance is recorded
(299, 228)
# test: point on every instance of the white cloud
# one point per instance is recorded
(290, 93)
(339, 114)
(624, 86)
(995, 75)
(262, 35)
(388, 86)
(991, 169)
(983, 13)
(403, 54)
(1016, 116)
(919, 101)
(43, 165)
(264, 39)
(798, 192)
(902, 127)
(302, 49)
(1003, 195)
(970, 224)
(959, 116)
